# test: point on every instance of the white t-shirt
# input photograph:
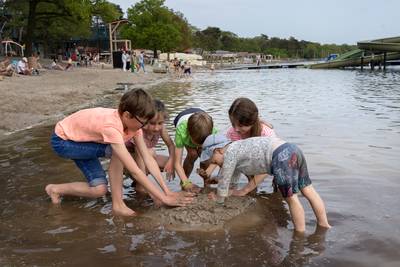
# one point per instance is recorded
(21, 66)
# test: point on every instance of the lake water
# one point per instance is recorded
(346, 122)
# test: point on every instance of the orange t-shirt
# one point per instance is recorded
(99, 125)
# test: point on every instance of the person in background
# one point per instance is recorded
(22, 67)
(124, 60)
(141, 61)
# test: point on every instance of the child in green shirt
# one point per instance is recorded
(192, 125)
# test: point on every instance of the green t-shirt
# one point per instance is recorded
(182, 137)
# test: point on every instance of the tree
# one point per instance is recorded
(152, 25)
(58, 19)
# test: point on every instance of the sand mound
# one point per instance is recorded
(203, 214)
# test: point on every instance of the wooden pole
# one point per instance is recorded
(384, 61)
(111, 43)
(362, 61)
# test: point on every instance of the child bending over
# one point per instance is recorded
(270, 155)
(246, 123)
(89, 134)
(151, 135)
(192, 125)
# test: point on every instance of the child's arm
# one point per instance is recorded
(169, 166)
(251, 185)
(150, 163)
(206, 173)
(122, 155)
(178, 164)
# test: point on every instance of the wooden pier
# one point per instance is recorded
(283, 65)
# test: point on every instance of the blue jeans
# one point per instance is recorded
(85, 155)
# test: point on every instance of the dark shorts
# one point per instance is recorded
(85, 155)
(185, 112)
(289, 168)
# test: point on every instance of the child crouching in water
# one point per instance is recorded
(270, 155)
(246, 123)
(89, 134)
(192, 125)
(151, 135)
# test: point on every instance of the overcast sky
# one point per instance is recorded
(323, 21)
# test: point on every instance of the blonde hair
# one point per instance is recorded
(200, 125)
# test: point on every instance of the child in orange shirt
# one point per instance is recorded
(98, 132)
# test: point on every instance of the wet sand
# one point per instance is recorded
(27, 101)
(202, 215)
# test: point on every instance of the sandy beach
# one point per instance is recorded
(27, 101)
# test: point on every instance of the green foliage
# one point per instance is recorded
(213, 38)
(152, 25)
(52, 20)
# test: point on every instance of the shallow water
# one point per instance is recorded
(347, 124)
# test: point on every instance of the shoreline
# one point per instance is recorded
(30, 101)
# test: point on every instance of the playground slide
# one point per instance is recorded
(353, 58)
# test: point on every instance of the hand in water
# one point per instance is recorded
(169, 170)
(181, 194)
(179, 200)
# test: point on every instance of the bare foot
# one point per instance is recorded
(325, 225)
(55, 197)
(123, 211)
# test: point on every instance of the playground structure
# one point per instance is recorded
(374, 53)
(11, 48)
(113, 26)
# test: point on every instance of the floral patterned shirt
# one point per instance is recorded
(249, 156)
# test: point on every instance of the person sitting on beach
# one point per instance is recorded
(151, 134)
(22, 67)
(192, 125)
(6, 68)
(69, 64)
(55, 66)
(259, 155)
(92, 133)
(246, 123)
(34, 64)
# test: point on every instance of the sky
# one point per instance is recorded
(322, 21)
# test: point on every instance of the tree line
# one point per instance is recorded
(151, 25)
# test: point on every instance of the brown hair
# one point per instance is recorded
(137, 102)
(200, 125)
(160, 108)
(245, 112)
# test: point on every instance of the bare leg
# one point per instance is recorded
(161, 161)
(297, 213)
(317, 205)
(116, 175)
(79, 189)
